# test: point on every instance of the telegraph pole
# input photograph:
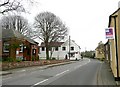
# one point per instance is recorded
(69, 47)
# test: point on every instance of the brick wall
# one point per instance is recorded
(13, 65)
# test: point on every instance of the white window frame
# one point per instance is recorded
(21, 47)
(4, 49)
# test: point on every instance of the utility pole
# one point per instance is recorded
(69, 47)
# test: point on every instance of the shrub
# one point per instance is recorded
(37, 58)
(33, 58)
(9, 59)
(18, 60)
(53, 58)
(101, 59)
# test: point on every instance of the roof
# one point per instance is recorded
(114, 13)
(106, 43)
(52, 44)
(31, 40)
(71, 41)
(10, 33)
(100, 46)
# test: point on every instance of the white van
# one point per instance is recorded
(75, 56)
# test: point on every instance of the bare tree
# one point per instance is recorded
(49, 28)
(16, 22)
(10, 5)
(13, 5)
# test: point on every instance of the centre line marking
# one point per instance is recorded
(40, 82)
(62, 73)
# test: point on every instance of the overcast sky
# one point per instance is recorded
(86, 19)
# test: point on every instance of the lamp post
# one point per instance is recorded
(116, 45)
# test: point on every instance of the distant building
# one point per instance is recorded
(61, 50)
(107, 52)
(99, 51)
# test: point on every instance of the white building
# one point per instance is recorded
(60, 50)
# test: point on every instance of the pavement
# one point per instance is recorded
(105, 75)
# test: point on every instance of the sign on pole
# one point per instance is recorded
(109, 33)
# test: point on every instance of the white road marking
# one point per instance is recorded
(48, 79)
(39, 82)
(62, 73)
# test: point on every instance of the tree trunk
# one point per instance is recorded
(51, 52)
(47, 50)
(12, 53)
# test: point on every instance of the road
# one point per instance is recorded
(83, 72)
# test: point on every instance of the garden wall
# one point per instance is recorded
(13, 65)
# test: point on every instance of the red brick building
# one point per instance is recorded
(15, 45)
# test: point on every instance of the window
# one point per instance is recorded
(72, 48)
(21, 48)
(43, 48)
(63, 48)
(6, 47)
(34, 51)
(50, 48)
(56, 48)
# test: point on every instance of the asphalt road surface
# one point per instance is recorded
(83, 72)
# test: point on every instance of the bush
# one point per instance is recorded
(53, 58)
(18, 60)
(33, 58)
(101, 59)
(37, 58)
(9, 59)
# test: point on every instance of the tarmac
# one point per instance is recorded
(12, 71)
(104, 76)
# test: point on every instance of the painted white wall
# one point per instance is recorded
(60, 54)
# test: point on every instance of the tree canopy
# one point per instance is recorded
(49, 28)
(16, 22)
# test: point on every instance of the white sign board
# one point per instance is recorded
(109, 33)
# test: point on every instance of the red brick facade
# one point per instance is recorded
(30, 51)
(16, 45)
